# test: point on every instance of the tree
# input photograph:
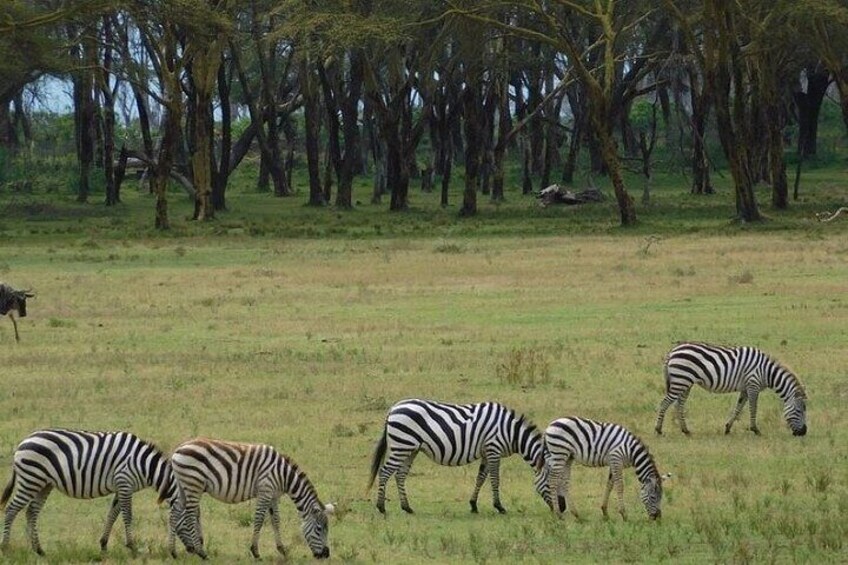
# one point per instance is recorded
(608, 86)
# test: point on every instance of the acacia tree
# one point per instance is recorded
(208, 29)
(606, 91)
(824, 25)
(719, 57)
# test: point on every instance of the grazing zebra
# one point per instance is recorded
(12, 300)
(87, 465)
(455, 434)
(746, 370)
(235, 472)
(598, 444)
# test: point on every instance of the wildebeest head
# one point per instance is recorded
(20, 297)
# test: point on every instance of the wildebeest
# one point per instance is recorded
(12, 300)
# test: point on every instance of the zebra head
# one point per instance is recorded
(531, 445)
(651, 495)
(795, 412)
(541, 482)
(180, 524)
(315, 528)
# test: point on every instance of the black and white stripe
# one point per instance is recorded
(86, 465)
(12, 301)
(599, 444)
(454, 434)
(236, 472)
(745, 370)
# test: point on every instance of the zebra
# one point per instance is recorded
(234, 472)
(12, 300)
(455, 434)
(598, 444)
(727, 369)
(84, 464)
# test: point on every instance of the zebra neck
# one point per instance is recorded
(159, 475)
(300, 490)
(643, 462)
(530, 445)
(782, 381)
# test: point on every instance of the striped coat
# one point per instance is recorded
(745, 370)
(454, 434)
(601, 444)
(84, 464)
(235, 472)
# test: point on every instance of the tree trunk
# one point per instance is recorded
(809, 106)
(350, 131)
(700, 162)
(312, 126)
(112, 194)
(221, 174)
(201, 163)
(471, 122)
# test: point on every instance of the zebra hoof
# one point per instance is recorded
(500, 509)
(408, 509)
(473, 504)
(658, 431)
(756, 431)
(381, 508)
(103, 544)
(561, 504)
(726, 430)
(686, 432)
(254, 551)
(281, 549)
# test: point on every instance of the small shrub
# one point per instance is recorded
(524, 367)
(59, 323)
(745, 278)
(449, 248)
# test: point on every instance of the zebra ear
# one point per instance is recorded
(330, 508)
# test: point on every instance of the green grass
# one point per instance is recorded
(299, 327)
(304, 343)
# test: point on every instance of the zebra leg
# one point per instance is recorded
(481, 478)
(667, 401)
(753, 394)
(192, 516)
(124, 496)
(400, 479)
(390, 466)
(33, 510)
(566, 485)
(681, 411)
(740, 404)
(274, 510)
(607, 491)
(617, 480)
(114, 509)
(555, 482)
(493, 463)
(16, 505)
(263, 504)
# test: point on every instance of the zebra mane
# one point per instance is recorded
(651, 463)
(300, 473)
(800, 391)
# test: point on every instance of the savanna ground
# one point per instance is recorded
(300, 328)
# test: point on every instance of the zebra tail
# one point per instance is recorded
(7, 492)
(379, 453)
(667, 379)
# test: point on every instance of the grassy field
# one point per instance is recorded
(239, 331)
